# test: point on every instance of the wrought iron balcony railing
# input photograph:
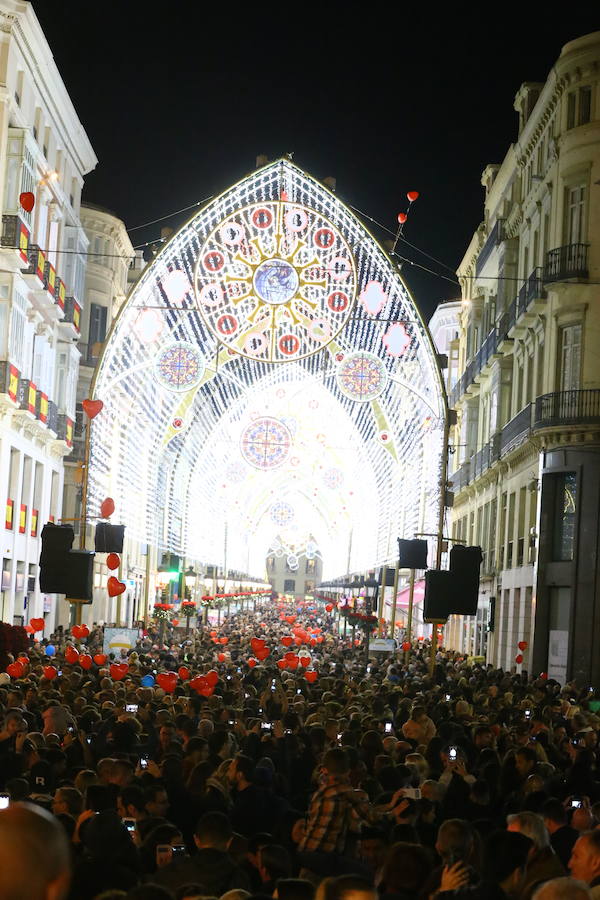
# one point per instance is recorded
(567, 408)
(566, 262)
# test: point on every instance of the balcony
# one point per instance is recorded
(532, 289)
(567, 408)
(516, 431)
(460, 478)
(495, 237)
(72, 319)
(565, 263)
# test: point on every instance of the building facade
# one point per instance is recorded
(295, 571)
(526, 463)
(44, 156)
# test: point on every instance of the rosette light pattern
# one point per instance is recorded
(272, 286)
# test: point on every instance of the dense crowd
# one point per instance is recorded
(270, 758)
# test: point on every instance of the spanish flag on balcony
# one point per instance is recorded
(69, 432)
(60, 293)
(50, 279)
(31, 391)
(13, 383)
(34, 521)
(23, 241)
(43, 408)
(77, 316)
(22, 518)
(8, 520)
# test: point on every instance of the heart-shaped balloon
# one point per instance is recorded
(224, 640)
(115, 587)
(27, 200)
(113, 561)
(37, 624)
(293, 662)
(212, 677)
(207, 691)
(412, 196)
(167, 681)
(287, 640)
(184, 673)
(92, 407)
(50, 672)
(298, 640)
(252, 662)
(329, 607)
(107, 508)
(406, 646)
(213, 633)
(24, 660)
(118, 671)
(305, 661)
(257, 644)
(221, 657)
(310, 676)
(320, 639)
(15, 669)
(80, 631)
(174, 622)
(85, 661)
(100, 659)
(71, 655)
(199, 683)
(29, 629)
(522, 645)
(282, 663)
(262, 654)
(290, 619)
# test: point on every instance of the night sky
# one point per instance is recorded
(178, 100)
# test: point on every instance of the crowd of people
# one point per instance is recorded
(269, 757)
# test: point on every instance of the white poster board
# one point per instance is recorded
(117, 639)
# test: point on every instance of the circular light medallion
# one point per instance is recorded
(275, 281)
(179, 366)
(362, 376)
(333, 478)
(282, 513)
(265, 443)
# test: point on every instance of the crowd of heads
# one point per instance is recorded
(305, 771)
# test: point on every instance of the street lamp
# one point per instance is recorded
(188, 605)
(371, 589)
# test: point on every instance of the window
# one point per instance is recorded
(570, 357)
(289, 586)
(565, 513)
(579, 107)
(575, 214)
(97, 331)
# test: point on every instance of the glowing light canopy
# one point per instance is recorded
(270, 377)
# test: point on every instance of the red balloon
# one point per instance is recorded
(50, 672)
(24, 660)
(412, 196)
(115, 587)
(305, 661)
(167, 681)
(107, 508)
(15, 669)
(310, 676)
(293, 662)
(199, 683)
(286, 641)
(522, 645)
(257, 644)
(329, 607)
(212, 677)
(224, 640)
(113, 561)
(406, 646)
(71, 655)
(213, 633)
(29, 629)
(85, 661)
(402, 217)
(252, 662)
(37, 624)
(282, 663)
(80, 631)
(174, 622)
(519, 659)
(221, 657)
(184, 673)
(27, 200)
(544, 676)
(262, 654)
(320, 639)
(92, 407)
(118, 671)
(100, 659)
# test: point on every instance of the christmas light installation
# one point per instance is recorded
(272, 285)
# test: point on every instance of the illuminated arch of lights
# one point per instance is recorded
(270, 359)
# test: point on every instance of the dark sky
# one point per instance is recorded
(178, 99)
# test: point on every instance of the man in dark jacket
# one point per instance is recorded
(211, 866)
(562, 836)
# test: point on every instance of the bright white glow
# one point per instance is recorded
(185, 462)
